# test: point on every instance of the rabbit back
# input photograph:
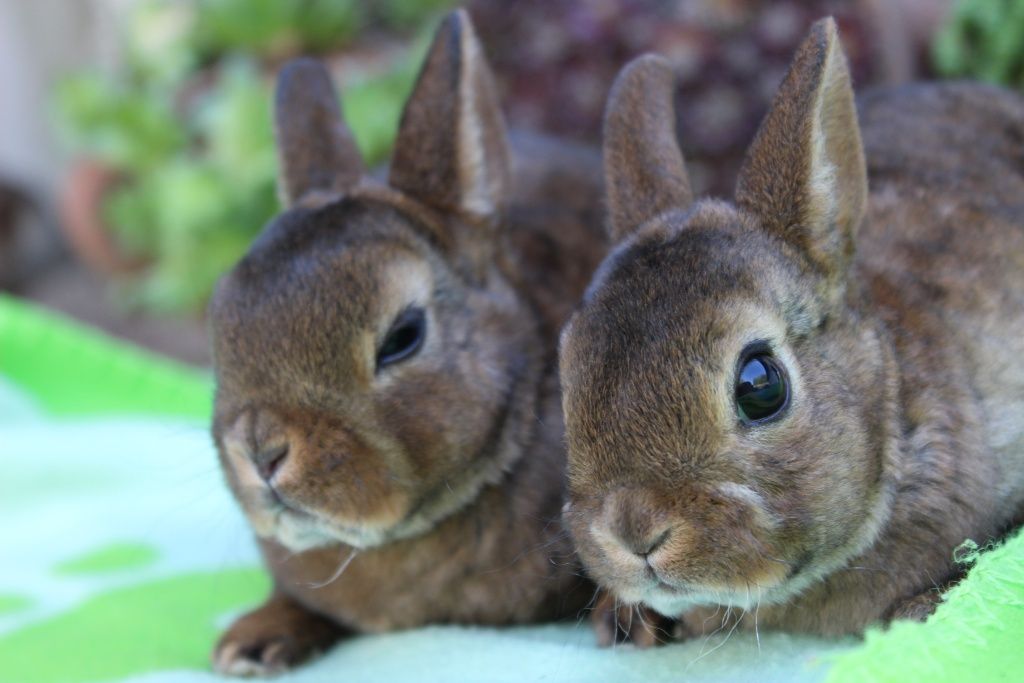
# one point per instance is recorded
(945, 227)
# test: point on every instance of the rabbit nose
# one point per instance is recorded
(268, 460)
(634, 523)
(641, 543)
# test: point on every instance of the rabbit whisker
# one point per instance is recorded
(728, 635)
(338, 572)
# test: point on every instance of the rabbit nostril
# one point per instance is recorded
(268, 461)
(656, 543)
(646, 546)
(639, 543)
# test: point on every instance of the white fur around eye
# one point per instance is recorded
(404, 283)
(792, 366)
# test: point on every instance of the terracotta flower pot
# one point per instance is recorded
(81, 207)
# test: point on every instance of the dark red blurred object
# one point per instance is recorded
(14, 203)
(556, 60)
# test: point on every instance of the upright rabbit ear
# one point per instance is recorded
(451, 150)
(317, 152)
(804, 175)
(643, 166)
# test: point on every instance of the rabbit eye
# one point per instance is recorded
(762, 391)
(404, 339)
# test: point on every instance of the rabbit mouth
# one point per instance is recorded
(672, 600)
(297, 527)
(298, 531)
(672, 597)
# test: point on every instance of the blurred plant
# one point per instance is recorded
(187, 124)
(273, 27)
(132, 128)
(401, 14)
(983, 39)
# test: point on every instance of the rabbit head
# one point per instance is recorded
(372, 360)
(724, 400)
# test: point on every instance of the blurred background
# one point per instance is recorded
(136, 152)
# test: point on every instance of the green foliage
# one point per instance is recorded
(197, 210)
(373, 108)
(159, 39)
(133, 129)
(188, 120)
(983, 39)
(408, 13)
(275, 27)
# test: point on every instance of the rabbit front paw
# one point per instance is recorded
(621, 623)
(272, 639)
(916, 608)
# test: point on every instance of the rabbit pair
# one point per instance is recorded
(800, 403)
(387, 409)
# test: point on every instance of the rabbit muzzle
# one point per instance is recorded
(677, 549)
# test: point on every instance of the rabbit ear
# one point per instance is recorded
(804, 175)
(643, 166)
(316, 150)
(451, 150)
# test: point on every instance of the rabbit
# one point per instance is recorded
(387, 408)
(793, 407)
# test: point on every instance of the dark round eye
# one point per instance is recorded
(404, 339)
(761, 388)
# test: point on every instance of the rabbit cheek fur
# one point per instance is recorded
(393, 493)
(903, 433)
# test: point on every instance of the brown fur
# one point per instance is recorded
(436, 483)
(897, 313)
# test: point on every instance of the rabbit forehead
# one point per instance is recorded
(664, 294)
(709, 250)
